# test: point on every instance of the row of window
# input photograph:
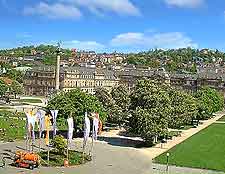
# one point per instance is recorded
(88, 76)
(83, 83)
(88, 90)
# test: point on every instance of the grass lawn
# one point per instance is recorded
(12, 129)
(4, 108)
(55, 159)
(30, 100)
(205, 150)
(10, 114)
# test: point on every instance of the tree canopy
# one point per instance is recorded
(16, 88)
(182, 60)
(116, 103)
(76, 102)
(3, 88)
(209, 102)
(151, 108)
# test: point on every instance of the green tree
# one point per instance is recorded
(3, 88)
(16, 88)
(151, 107)
(119, 112)
(49, 60)
(116, 104)
(77, 103)
(15, 75)
(209, 102)
(104, 97)
(184, 108)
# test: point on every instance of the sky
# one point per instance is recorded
(113, 25)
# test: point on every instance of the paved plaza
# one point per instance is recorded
(114, 154)
(111, 156)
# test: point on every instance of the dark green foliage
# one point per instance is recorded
(156, 107)
(49, 60)
(77, 103)
(104, 97)
(182, 60)
(151, 107)
(59, 144)
(184, 108)
(47, 50)
(116, 103)
(209, 102)
(16, 88)
(3, 88)
(15, 75)
(121, 102)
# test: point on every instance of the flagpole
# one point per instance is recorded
(39, 146)
(48, 154)
(27, 132)
(39, 143)
(85, 141)
(32, 145)
(92, 138)
(27, 138)
(29, 144)
(84, 147)
(67, 151)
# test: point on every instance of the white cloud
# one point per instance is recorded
(54, 11)
(159, 40)
(23, 35)
(99, 7)
(185, 3)
(83, 45)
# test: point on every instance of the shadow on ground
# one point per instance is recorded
(123, 142)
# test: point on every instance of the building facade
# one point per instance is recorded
(41, 80)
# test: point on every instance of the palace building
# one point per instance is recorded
(41, 80)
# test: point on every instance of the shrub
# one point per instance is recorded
(60, 144)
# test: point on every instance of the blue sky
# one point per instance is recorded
(109, 25)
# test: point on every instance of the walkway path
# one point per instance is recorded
(160, 169)
(156, 150)
(221, 122)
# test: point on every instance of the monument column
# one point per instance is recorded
(57, 70)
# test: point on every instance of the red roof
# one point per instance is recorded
(7, 80)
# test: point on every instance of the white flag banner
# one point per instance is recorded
(41, 120)
(70, 131)
(95, 126)
(54, 114)
(86, 128)
(31, 119)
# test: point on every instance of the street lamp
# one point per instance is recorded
(167, 161)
